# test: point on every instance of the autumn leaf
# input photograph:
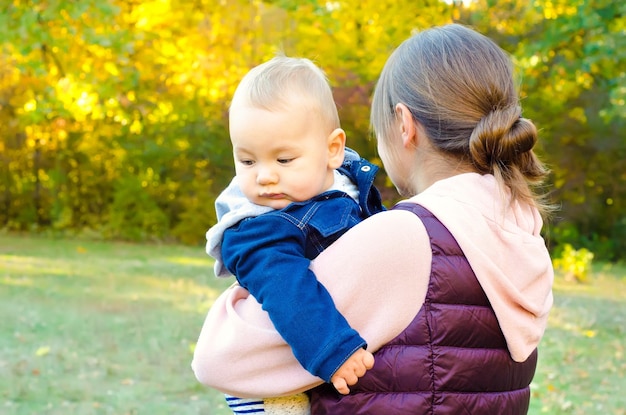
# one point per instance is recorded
(42, 351)
(589, 333)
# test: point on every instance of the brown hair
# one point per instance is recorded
(459, 85)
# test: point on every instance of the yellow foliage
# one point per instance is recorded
(578, 113)
(30, 106)
(90, 85)
(574, 263)
(111, 68)
(136, 127)
(556, 8)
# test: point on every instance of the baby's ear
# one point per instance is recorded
(336, 148)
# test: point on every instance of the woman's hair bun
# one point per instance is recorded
(500, 138)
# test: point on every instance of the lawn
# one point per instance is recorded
(102, 328)
(581, 368)
(109, 328)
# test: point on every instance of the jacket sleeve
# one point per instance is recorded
(239, 351)
(267, 256)
(376, 280)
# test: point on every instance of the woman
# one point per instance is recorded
(452, 287)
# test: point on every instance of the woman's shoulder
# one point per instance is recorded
(393, 223)
(378, 273)
(392, 243)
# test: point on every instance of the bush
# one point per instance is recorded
(134, 214)
(575, 264)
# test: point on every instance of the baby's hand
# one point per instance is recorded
(351, 370)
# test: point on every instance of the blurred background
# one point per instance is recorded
(113, 113)
(114, 144)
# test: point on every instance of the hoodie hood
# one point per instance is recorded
(503, 245)
(231, 207)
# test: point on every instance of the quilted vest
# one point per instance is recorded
(452, 359)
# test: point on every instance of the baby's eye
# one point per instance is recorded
(246, 162)
(285, 160)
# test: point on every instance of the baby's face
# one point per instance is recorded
(280, 156)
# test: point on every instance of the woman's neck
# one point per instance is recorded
(438, 166)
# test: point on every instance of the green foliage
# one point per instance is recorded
(134, 214)
(605, 247)
(96, 95)
(572, 58)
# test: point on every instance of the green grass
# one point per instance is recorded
(102, 328)
(108, 328)
(581, 358)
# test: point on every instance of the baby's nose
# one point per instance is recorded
(265, 175)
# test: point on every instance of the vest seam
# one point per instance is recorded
(435, 250)
(440, 346)
(440, 392)
(433, 389)
(460, 305)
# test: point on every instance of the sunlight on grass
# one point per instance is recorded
(560, 318)
(119, 279)
(207, 263)
(606, 282)
(16, 281)
(103, 328)
(33, 266)
(109, 328)
(121, 282)
(581, 358)
(173, 291)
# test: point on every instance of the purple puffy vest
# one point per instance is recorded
(451, 360)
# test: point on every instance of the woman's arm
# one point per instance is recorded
(377, 274)
(268, 256)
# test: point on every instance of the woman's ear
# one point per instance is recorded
(336, 147)
(407, 126)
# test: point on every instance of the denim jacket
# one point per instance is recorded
(270, 255)
(232, 206)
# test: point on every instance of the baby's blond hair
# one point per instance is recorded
(275, 85)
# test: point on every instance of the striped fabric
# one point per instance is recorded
(245, 406)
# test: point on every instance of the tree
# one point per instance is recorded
(114, 112)
(571, 57)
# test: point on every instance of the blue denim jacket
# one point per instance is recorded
(270, 255)
(232, 206)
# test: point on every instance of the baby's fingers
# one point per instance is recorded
(368, 361)
(341, 386)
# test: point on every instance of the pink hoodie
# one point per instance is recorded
(377, 274)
